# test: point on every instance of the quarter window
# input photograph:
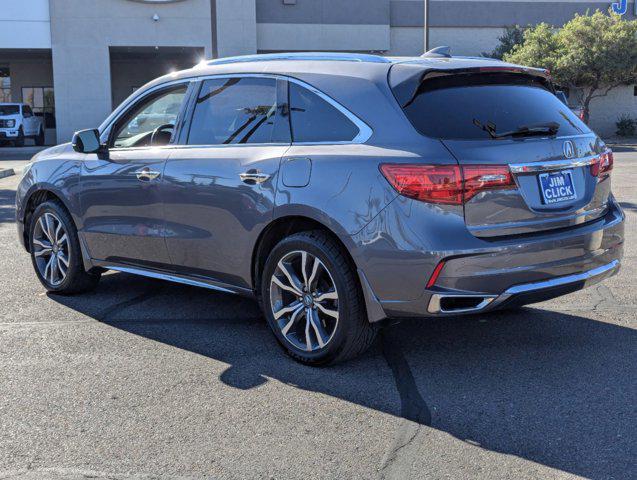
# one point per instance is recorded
(241, 110)
(316, 121)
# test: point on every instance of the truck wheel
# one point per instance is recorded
(39, 138)
(19, 142)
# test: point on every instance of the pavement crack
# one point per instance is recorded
(414, 410)
(606, 297)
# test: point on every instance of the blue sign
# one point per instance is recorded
(620, 7)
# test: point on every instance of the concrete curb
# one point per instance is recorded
(6, 172)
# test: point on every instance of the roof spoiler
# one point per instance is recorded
(438, 52)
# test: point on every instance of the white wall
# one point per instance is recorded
(25, 24)
(606, 110)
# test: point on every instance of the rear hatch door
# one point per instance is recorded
(514, 121)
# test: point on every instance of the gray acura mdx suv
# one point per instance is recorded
(339, 190)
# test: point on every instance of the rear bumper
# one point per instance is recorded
(525, 293)
(519, 271)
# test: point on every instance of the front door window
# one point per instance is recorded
(151, 122)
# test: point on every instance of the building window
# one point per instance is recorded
(5, 85)
(42, 101)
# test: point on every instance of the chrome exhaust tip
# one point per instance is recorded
(456, 303)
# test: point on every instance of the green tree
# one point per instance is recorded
(596, 53)
(511, 37)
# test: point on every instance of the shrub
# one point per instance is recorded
(626, 126)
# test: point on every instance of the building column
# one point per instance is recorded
(82, 79)
(235, 27)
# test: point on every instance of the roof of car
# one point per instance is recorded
(346, 64)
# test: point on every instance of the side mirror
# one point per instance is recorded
(87, 141)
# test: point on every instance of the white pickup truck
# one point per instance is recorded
(18, 122)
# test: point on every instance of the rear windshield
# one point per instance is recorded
(9, 109)
(459, 106)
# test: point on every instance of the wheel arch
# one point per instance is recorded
(285, 226)
(38, 196)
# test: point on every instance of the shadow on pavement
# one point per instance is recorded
(629, 206)
(553, 388)
(7, 206)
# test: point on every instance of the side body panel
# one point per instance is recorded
(57, 171)
(123, 217)
(348, 194)
(213, 218)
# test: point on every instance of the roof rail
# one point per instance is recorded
(438, 52)
(299, 56)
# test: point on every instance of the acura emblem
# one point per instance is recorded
(569, 149)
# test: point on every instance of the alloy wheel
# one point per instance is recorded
(51, 248)
(304, 301)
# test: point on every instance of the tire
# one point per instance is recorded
(70, 276)
(19, 141)
(343, 337)
(39, 138)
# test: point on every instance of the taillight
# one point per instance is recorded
(478, 178)
(429, 183)
(603, 164)
(446, 184)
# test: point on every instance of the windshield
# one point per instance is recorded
(461, 106)
(9, 109)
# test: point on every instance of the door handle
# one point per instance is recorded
(252, 177)
(146, 174)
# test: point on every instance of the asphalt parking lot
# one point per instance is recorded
(145, 379)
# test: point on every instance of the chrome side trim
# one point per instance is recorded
(552, 165)
(559, 281)
(178, 279)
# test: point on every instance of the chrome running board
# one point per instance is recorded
(209, 284)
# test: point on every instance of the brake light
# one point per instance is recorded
(603, 164)
(446, 184)
(478, 178)
(428, 183)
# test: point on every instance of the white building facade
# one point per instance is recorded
(75, 60)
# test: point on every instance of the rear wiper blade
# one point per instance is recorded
(549, 128)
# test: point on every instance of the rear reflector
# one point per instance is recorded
(446, 184)
(603, 165)
(435, 274)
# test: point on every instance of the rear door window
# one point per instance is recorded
(240, 110)
(314, 120)
(458, 106)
